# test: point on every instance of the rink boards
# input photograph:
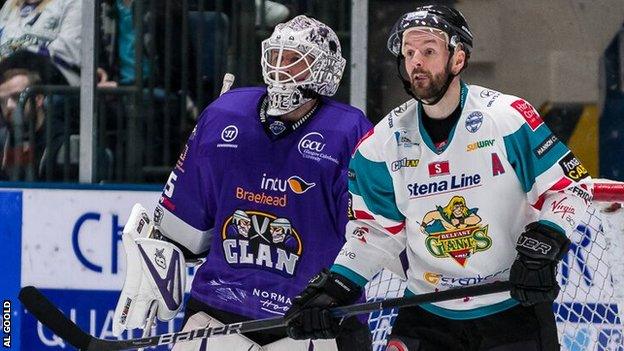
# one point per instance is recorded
(67, 242)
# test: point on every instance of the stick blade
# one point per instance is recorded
(37, 304)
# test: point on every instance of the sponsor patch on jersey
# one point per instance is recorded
(261, 240)
(404, 162)
(479, 145)
(351, 174)
(261, 198)
(439, 279)
(455, 231)
(405, 138)
(572, 167)
(545, 146)
(277, 127)
(350, 212)
(271, 185)
(295, 183)
(487, 93)
(180, 163)
(562, 207)
(582, 192)
(228, 135)
(529, 113)
(312, 146)
(399, 109)
(474, 121)
(449, 184)
(271, 301)
(360, 233)
(439, 168)
(349, 254)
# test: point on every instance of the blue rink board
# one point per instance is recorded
(10, 263)
(91, 310)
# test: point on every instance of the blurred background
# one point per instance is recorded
(107, 91)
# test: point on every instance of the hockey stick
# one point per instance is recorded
(228, 80)
(53, 318)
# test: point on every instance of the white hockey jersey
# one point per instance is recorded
(457, 211)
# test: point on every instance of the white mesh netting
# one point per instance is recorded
(589, 308)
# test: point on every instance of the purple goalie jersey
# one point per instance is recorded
(274, 210)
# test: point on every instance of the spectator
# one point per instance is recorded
(118, 39)
(47, 28)
(19, 149)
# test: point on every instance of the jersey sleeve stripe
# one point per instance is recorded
(559, 185)
(359, 214)
(196, 240)
(349, 274)
(553, 225)
(374, 183)
(395, 229)
(528, 165)
(363, 213)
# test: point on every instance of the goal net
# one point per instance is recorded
(588, 309)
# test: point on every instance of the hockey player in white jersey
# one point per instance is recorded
(473, 186)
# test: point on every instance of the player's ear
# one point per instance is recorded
(459, 60)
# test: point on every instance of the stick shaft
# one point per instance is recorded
(50, 316)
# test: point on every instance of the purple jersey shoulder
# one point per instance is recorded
(239, 101)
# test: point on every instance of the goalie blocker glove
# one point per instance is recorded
(155, 274)
(534, 272)
(309, 317)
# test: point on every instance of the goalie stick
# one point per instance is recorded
(228, 80)
(45, 311)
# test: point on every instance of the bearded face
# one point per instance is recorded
(426, 61)
(427, 85)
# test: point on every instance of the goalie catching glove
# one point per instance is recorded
(155, 275)
(309, 316)
(534, 272)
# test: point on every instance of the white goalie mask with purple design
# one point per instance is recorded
(300, 59)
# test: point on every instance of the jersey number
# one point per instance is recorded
(170, 186)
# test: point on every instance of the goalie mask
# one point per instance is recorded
(300, 60)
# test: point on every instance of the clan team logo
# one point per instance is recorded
(261, 240)
(454, 231)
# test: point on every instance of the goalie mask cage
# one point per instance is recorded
(588, 309)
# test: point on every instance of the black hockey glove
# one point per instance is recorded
(534, 272)
(309, 316)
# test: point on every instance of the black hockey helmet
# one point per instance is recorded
(444, 18)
